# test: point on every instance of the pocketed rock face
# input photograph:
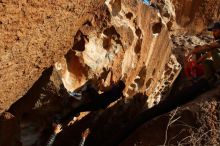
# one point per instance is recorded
(125, 40)
(33, 35)
(99, 42)
(115, 42)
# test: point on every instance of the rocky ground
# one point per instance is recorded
(196, 123)
(100, 42)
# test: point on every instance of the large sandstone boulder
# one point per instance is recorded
(33, 35)
(97, 40)
(125, 40)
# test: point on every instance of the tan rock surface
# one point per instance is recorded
(194, 16)
(134, 45)
(33, 35)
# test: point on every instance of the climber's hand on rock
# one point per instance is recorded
(57, 128)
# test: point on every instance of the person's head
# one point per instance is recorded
(216, 33)
(215, 28)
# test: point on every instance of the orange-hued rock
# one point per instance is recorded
(33, 35)
(121, 39)
(96, 42)
(188, 16)
(132, 45)
(194, 16)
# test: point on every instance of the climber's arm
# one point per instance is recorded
(57, 129)
(207, 48)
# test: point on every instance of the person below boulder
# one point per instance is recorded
(95, 101)
(192, 67)
(209, 54)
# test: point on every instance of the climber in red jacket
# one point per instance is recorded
(206, 57)
(193, 67)
(211, 51)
